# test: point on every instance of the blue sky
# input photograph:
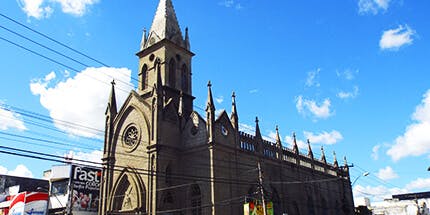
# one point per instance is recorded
(349, 75)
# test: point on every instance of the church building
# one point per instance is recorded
(162, 157)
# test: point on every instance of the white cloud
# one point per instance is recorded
(387, 173)
(249, 129)
(20, 170)
(271, 136)
(419, 184)
(300, 143)
(10, 119)
(305, 107)
(377, 193)
(348, 74)
(35, 8)
(3, 170)
(325, 137)
(348, 95)
(94, 156)
(372, 6)
(40, 9)
(75, 7)
(82, 99)
(253, 91)
(415, 141)
(230, 4)
(218, 112)
(50, 76)
(393, 39)
(219, 99)
(375, 152)
(312, 78)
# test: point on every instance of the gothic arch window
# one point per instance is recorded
(120, 194)
(184, 79)
(196, 200)
(144, 73)
(129, 195)
(172, 72)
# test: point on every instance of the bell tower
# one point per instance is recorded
(166, 46)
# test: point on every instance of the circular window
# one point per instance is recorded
(151, 57)
(224, 131)
(131, 137)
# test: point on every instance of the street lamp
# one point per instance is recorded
(364, 175)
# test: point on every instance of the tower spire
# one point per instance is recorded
(295, 147)
(210, 101)
(234, 118)
(335, 163)
(278, 139)
(143, 42)
(323, 155)
(310, 153)
(210, 115)
(187, 39)
(257, 129)
(165, 24)
(112, 101)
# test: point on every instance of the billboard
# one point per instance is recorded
(29, 203)
(85, 183)
(256, 208)
(36, 203)
(17, 205)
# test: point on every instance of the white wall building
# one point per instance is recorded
(404, 204)
(400, 207)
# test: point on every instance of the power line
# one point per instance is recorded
(51, 39)
(43, 46)
(57, 42)
(38, 155)
(40, 55)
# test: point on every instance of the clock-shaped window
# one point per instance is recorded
(131, 137)
(224, 131)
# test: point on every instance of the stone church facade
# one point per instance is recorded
(162, 157)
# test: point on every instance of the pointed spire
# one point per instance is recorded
(345, 162)
(165, 24)
(295, 147)
(335, 163)
(278, 139)
(257, 129)
(323, 155)
(143, 42)
(234, 118)
(310, 153)
(187, 39)
(210, 116)
(112, 101)
(181, 106)
(210, 102)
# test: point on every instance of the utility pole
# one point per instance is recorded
(260, 178)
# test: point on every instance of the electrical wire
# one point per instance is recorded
(51, 39)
